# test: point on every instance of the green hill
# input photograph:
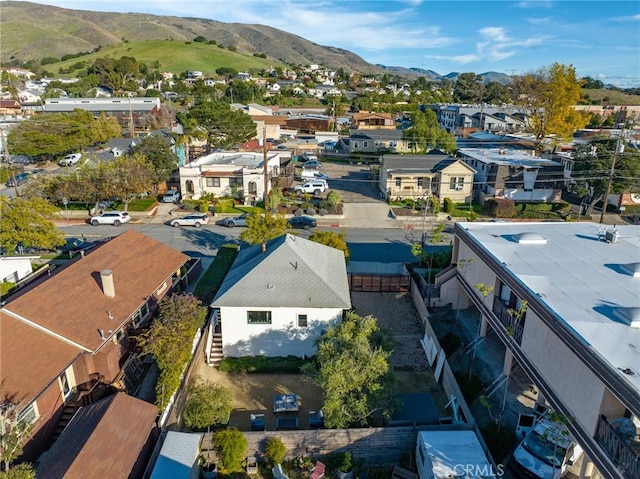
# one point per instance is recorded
(172, 56)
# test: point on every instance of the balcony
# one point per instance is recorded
(513, 326)
(625, 455)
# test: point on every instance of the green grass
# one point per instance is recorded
(174, 56)
(541, 210)
(211, 280)
(263, 365)
(612, 97)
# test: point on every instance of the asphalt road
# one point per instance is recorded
(383, 245)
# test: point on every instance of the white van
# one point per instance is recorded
(547, 450)
(71, 159)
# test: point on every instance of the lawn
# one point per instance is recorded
(211, 280)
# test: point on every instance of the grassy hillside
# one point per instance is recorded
(611, 97)
(174, 56)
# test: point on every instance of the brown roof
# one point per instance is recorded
(72, 304)
(30, 358)
(104, 439)
(363, 115)
(270, 119)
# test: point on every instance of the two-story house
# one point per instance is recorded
(65, 337)
(238, 174)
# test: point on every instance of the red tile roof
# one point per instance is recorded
(103, 440)
(72, 304)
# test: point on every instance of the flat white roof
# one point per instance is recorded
(589, 283)
(453, 453)
(178, 456)
(502, 156)
(244, 159)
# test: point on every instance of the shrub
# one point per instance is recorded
(448, 205)
(333, 198)
(502, 208)
(275, 450)
(434, 205)
(470, 386)
(323, 211)
(231, 446)
(311, 211)
(263, 365)
(345, 461)
(298, 212)
(207, 404)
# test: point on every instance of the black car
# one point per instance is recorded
(74, 245)
(304, 222)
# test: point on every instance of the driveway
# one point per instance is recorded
(354, 183)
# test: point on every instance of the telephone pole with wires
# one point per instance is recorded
(619, 150)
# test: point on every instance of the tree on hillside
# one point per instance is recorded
(159, 154)
(352, 368)
(468, 88)
(548, 97)
(170, 338)
(330, 238)
(226, 127)
(592, 166)
(263, 228)
(29, 222)
(54, 135)
(496, 93)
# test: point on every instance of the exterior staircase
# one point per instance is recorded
(215, 352)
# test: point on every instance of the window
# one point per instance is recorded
(213, 182)
(398, 182)
(456, 183)
(420, 182)
(235, 182)
(259, 317)
(28, 415)
(302, 321)
(161, 288)
(365, 144)
(65, 385)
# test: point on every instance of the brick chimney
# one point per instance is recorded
(109, 290)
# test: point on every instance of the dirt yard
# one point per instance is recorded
(254, 393)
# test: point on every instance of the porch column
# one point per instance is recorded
(508, 361)
(484, 324)
(586, 468)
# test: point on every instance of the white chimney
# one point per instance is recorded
(109, 290)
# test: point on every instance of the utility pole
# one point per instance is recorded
(266, 168)
(619, 150)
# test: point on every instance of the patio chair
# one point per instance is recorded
(252, 465)
(257, 422)
(318, 471)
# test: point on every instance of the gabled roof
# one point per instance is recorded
(71, 303)
(292, 272)
(376, 134)
(433, 162)
(103, 439)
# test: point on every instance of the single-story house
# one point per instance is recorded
(278, 298)
(419, 176)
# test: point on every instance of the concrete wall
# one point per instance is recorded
(280, 338)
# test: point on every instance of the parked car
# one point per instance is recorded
(303, 222)
(311, 164)
(171, 196)
(17, 180)
(74, 245)
(115, 218)
(196, 219)
(71, 159)
(313, 175)
(312, 187)
(309, 156)
(236, 221)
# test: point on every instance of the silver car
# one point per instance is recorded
(236, 221)
(196, 219)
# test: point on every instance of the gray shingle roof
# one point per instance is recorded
(293, 272)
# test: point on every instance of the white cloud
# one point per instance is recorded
(630, 18)
(459, 59)
(535, 4)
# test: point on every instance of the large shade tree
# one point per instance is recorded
(159, 153)
(352, 368)
(426, 134)
(262, 228)
(226, 127)
(28, 222)
(548, 96)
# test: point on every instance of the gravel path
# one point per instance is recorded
(396, 313)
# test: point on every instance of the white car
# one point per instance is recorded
(196, 219)
(71, 159)
(312, 187)
(171, 196)
(236, 221)
(115, 218)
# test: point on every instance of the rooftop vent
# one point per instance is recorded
(630, 316)
(632, 269)
(530, 238)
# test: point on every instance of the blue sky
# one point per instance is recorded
(600, 38)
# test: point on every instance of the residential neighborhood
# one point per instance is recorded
(302, 271)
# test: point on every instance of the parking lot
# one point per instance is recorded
(354, 183)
